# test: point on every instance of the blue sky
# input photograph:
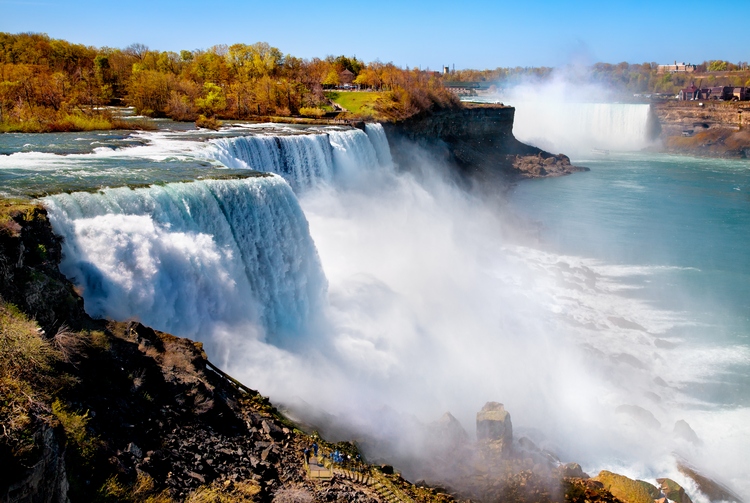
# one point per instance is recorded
(467, 33)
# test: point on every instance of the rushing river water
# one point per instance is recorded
(361, 288)
(675, 233)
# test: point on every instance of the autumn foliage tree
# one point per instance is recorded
(43, 81)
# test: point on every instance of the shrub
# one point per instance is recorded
(208, 122)
(26, 361)
(235, 492)
(312, 112)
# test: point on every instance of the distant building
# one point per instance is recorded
(717, 93)
(346, 77)
(723, 93)
(446, 70)
(676, 68)
(690, 93)
(741, 93)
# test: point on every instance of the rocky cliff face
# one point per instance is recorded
(45, 481)
(709, 129)
(477, 139)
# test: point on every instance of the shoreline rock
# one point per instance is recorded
(478, 141)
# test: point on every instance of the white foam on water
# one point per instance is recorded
(188, 257)
(429, 307)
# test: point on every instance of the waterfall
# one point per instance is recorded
(376, 133)
(306, 159)
(188, 257)
(301, 159)
(579, 127)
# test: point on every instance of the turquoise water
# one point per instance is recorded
(47, 163)
(681, 227)
(641, 263)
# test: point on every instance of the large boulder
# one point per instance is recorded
(673, 491)
(623, 488)
(494, 425)
(446, 436)
(651, 489)
(572, 470)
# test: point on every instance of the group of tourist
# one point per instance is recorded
(337, 456)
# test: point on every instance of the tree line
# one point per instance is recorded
(49, 84)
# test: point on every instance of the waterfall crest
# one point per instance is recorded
(579, 127)
(307, 159)
(302, 160)
(187, 257)
(379, 141)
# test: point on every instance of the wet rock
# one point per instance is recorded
(387, 469)
(653, 491)
(673, 491)
(134, 450)
(197, 476)
(712, 489)
(623, 488)
(494, 425)
(528, 445)
(448, 434)
(573, 470)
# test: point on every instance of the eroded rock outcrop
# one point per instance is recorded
(479, 140)
(494, 426)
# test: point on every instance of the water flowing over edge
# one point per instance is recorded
(171, 268)
(305, 160)
(184, 257)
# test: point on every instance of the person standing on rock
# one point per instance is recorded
(307, 455)
(315, 449)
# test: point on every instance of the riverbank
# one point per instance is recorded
(708, 128)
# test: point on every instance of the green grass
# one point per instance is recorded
(356, 102)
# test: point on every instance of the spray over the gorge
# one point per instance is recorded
(370, 299)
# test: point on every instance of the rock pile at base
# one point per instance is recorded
(544, 165)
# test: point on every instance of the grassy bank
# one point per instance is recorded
(357, 102)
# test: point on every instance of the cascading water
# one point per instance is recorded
(379, 141)
(430, 306)
(579, 127)
(306, 159)
(302, 160)
(187, 257)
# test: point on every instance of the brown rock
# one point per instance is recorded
(494, 425)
